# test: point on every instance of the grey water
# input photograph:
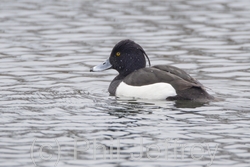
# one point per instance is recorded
(54, 112)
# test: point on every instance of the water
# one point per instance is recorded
(50, 99)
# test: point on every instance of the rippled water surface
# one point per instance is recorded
(49, 99)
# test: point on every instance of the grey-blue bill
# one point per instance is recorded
(101, 67)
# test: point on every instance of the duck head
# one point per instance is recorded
(126, 57)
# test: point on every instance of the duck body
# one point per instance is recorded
(135, 80)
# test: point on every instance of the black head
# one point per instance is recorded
(127, 56)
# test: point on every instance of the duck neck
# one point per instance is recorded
(114, 84)
(126, 71)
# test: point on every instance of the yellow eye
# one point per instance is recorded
(118, 53)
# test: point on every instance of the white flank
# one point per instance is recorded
(153, 91)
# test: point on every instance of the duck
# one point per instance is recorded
(135, 80)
